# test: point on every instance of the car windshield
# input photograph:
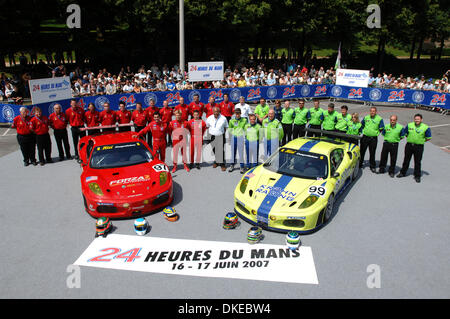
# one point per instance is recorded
(298, 164)
(120, 155)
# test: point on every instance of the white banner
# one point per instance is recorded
(201, 258)
(205, 71)
(50, 89)
(349, 77)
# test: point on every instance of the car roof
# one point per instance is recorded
(322, 145)
(113, 138)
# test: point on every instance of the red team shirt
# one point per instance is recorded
(139, 118)
(40, 125)
(166, 114)
(22, 124)
(123, 117)
(150, 111)
(176, 126)
(159, 131)
(58, 121)
(184, 108)
(107, 118)
(196, 128)
(226, 108)
(75, 116)
(196, 106)
(92, 118)
(209, 108)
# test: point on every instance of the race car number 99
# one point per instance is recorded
(317, 190)
(160, 168)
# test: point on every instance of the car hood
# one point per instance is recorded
(282, 190)
(125, 182)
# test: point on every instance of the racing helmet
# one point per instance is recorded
(103, 226)
(141, 226)
(230, 221)
(170, 214)
(254, 235)
(293, 240)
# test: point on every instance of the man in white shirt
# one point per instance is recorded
(217, 125)
(245, 108)
(127, 88)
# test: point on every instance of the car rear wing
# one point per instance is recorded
(104, 126)
(333, 133)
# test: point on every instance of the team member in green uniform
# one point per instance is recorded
(392, 133)
(329, 119)
(300, 120)
(236, 128)
(372, 125)
(343, 119)
(315, 118)
(262, 110)
(273, 133)
(354, 128)
(287, 119)
(417, 133)
(252, 131)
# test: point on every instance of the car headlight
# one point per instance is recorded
(311, 199)
(243, 186)
(162, 178)
(95, 189)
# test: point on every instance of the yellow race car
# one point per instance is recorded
(295, 189)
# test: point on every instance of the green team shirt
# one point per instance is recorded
(315, 117)
(287, 116)
(237, 127)
(262, 110)
(417, 134)
(372, 126)
(329, 120)
(252, 131)
(354, 128)
(393, 134)
(269, 127)
(300, 116)
(343, 121)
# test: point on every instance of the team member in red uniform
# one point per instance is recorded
(40, 126)
(25, 137)
(178, 130)
(197, 128)
(92, 118)
(123, 116)
(75, 115)
(139, 118)
(184, 108)
(226, 107)
(151, 110)
(166, 113)
(196, 105)
(107, 117)
(209, 107)
(159, 131)
(58, 122)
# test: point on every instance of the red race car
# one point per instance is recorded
(121, 177)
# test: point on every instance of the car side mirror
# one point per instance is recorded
(335, 175)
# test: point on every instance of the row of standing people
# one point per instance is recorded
(280, 124)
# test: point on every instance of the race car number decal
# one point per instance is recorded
(160, 168)
(317, 190)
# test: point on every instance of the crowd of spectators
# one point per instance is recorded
(86, 82)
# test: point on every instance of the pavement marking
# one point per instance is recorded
(4, 134)
(439, 125)
(201, 258)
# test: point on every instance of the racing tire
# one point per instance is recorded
(328, 211)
